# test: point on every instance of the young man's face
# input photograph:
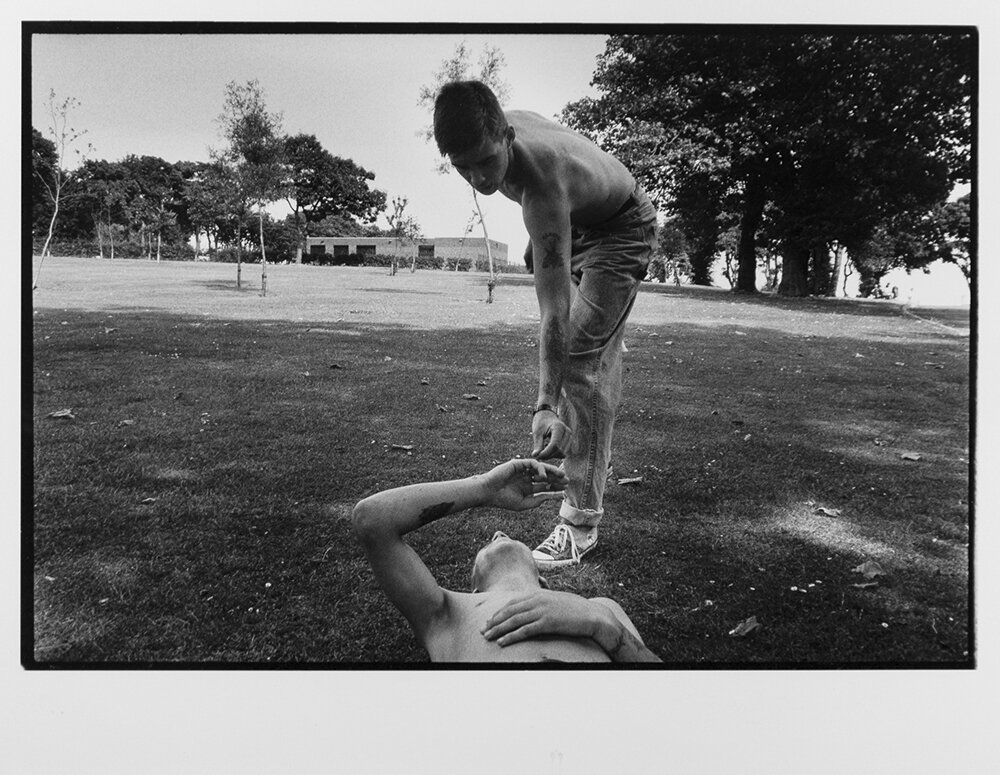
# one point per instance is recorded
(485, 166)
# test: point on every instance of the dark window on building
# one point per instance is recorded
(425, 251)
(318, 250)
(341, 251)
(366, 250)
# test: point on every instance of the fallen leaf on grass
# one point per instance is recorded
(870, 570)
(110, 330)
(910, 456)
(470, 396)
(402, 447)
(336, 366)
(481, 383)
(827, 512)
(122, 423)
(441, 408)
(425, 381)
(865, 585)
(148, 500)
(62, 414)
(745, 627)
(630, 480)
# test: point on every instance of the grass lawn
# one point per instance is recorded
(196, 506)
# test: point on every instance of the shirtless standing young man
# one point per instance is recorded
(592, 231)
(508, 616)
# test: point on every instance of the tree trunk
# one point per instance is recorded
(746, 252)
(239, 263)
(838, 270)
(263, 255)
(197, 243)
(158, 241)
(100, 237)
(491, 283)
(794, 271)
(821, 270)
(701, 263)
(48, 241)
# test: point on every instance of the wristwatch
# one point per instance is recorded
(543, 408)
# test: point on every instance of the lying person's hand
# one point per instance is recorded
(543, 613)
(522, 484)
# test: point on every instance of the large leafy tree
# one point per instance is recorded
(838, 132)
(321, 185)
(956, 225)
(153, 193)
(105, 190)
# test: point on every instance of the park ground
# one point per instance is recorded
(800, 467)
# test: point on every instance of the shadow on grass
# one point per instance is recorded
(197, 507)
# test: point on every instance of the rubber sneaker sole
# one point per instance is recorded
(544, 561)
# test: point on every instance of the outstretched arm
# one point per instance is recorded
(381, 521)
(546, 612)
(547, 219)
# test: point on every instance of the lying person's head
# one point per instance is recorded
(505, 564)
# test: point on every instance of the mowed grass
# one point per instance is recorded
(196, 508)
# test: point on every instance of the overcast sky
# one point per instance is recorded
(160, 95)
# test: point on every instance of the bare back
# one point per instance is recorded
(551, 159)
(460, 638)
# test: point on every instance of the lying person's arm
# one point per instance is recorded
(547, 613)
(381, 521)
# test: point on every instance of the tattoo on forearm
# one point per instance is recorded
(554, 340)
(436, 511)
(551, 253)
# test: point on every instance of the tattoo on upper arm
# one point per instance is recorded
(551, 255)
(436, 511)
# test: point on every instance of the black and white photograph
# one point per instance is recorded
(490, 361)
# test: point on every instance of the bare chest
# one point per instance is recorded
(462, 640)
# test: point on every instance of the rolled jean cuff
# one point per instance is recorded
(579, 517)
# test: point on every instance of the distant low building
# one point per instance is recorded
(444, 249)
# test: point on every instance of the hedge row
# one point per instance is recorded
(89, 249)
(229, 255)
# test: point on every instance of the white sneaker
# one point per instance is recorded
(565, 546)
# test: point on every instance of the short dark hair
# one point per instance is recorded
(465, 114)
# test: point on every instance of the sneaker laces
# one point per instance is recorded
(555, 544)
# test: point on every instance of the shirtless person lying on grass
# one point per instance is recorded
(508, 616)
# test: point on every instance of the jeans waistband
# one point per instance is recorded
(630, 202)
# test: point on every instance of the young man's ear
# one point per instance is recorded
(508, 134)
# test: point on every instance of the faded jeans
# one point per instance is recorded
(609, 260)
